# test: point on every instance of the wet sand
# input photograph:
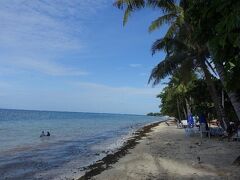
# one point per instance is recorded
(110, 159)
(164, 152)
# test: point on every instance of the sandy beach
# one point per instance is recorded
(166, 153)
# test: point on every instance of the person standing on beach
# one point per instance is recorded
(202, 120)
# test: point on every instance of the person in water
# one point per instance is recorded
(48, 133)
(42, 134)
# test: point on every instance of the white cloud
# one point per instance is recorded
(35, 34)
(97, 97)
(80, 96)
(49, 68)
(119, 90)
(100, 97)
(45, 24)
(42, 66)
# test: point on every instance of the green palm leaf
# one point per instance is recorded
(174, 28)
(164, 5)
(129, 6)
(168, 45)
(166, 67)
(160, 21)
(133, 5)
(171, 30)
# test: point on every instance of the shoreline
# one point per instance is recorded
(104, 164)
(164, 152)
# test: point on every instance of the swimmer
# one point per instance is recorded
(43, 134)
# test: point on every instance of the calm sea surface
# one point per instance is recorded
(77, 140)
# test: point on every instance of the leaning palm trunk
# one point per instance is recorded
(188, 108)
(185, 113)
(179, 116)
(231, 94)
(216, 99)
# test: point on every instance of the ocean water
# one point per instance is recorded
(77, 140)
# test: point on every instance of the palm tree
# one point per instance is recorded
(217, 25)
(201, 48)
(186, 58)
(231, 94)
(175, 92)
(189, 54)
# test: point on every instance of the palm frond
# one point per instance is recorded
(126, 15)
(129, 6)
(166, 67)
(134, 4)
(160, 44)
(186, 71)
(175, 26)
(160, 21)
(168, 45)
(164, 5)
(171, 30)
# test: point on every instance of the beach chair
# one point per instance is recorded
(216, 131)
(203, 129)
(184, 123)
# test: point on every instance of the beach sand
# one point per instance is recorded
(166, 153)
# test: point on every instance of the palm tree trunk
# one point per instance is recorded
(188, 107)
(216, 99)
(179, 116)
(185, 113)
(231, 94)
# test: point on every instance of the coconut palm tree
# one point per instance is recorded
(174, 100)
(174, 14)
(219, 68)
(217, 24)
(185, 58)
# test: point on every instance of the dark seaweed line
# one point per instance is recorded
(105, 163)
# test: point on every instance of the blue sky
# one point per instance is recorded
(75, 55)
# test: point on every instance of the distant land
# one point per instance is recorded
(154, 114)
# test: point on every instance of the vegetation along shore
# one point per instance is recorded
(202, 57)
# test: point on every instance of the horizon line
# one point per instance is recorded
(65, 111)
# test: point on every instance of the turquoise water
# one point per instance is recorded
(77, 139)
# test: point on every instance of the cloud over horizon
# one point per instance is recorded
(76, 54)
(84, 97)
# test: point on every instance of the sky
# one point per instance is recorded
(75, 55)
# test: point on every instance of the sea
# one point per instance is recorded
(77, 140)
